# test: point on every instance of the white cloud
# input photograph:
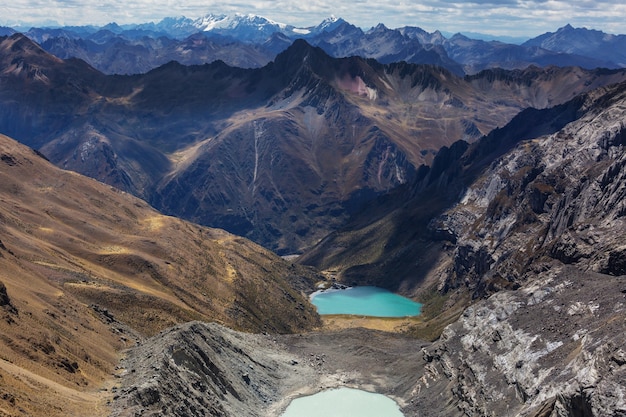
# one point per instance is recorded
(501, 17)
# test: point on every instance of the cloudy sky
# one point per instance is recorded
(497, 17)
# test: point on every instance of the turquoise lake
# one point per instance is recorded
(343, 402)
(365, 301)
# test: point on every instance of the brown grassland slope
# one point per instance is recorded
(87, 270)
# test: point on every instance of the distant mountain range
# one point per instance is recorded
(251, 41)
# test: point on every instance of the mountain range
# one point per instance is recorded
(282, 154)
(496, 199)
(253, 41)
(527, 221)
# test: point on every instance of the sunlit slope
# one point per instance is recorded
(86, 270)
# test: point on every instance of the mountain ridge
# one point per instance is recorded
(583, 41)
(349, 129)
(253, 41)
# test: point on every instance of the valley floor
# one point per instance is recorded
(551, 348)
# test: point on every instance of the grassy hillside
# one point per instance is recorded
(87, 270)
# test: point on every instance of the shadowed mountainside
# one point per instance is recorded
(87, 270)
(547, 185)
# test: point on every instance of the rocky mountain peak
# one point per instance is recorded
(300, 49)
(329, 24)
(304, 59)
(20, 45)
(378, 29)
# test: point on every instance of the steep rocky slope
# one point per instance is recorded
(200, 369)
(559, 196)
(282, 154)
(546, 185)
(554, 347)
(87, 270)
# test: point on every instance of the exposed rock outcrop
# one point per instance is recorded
(203, 369)
(560, 195)
(5, 301)
(552, 348)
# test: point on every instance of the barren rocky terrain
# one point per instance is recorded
(552, 348)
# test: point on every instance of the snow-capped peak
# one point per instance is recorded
(329, 20)
(213, 22)
(246, 27)
(328, 25)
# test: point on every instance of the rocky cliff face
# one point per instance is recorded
(552, 348)
(559, 196)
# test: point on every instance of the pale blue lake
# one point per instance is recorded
(365, 301)
(343, 402)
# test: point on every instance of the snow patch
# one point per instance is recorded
(357, 86)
